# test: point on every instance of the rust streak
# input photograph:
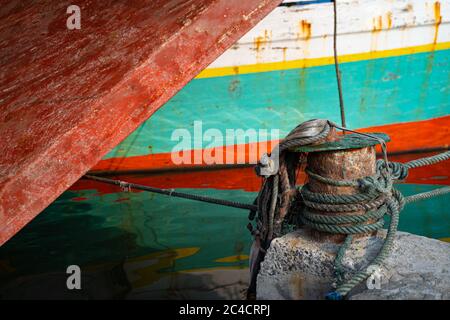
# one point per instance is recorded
(377, 24)
(305, 29)
(389, 19)
(437, 19)
(260, 42)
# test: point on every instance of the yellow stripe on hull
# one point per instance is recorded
(315, 62)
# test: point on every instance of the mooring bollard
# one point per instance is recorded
(347, 164)
(301, 264)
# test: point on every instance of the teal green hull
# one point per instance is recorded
(100, 231)
(377, 92)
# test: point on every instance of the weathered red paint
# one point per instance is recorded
(68, 96)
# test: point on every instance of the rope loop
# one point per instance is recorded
(397, 170)
(376, 197)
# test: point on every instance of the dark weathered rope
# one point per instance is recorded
(366, 206)
(429, 160)
(344, 288)
(334, 220)
(278, 189)
(172, 193)
(376, 192)
(336, 66)
(428, 194)
(338, 229)
(270, 208)
(326, 198)
(377, 197)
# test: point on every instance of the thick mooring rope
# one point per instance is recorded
(376, 197)
(278, 190)
(336, 66)
(375, 192)
(428, 194)
(171, 192)
(283, 182)
(428, 160)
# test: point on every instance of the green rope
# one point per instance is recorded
(376, 197)
(338, 266)
(313, 217)
(428, 194)
(428, 161)
(354, 229)
(384, 252)
(375, 192)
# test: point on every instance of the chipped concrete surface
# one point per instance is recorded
(297, 267)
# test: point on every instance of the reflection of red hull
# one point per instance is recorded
(246, 179)
(405, 137)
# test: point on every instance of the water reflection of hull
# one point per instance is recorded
(136, 278)
(140, 245)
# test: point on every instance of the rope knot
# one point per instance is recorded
(379, 183)
(397, 170)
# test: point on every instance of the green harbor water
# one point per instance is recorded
(148, 243)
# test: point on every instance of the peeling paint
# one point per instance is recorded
(81, 97)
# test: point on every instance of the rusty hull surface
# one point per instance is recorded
(69, 96)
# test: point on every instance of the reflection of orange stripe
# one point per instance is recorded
(404, 136)
(242, 178)
(246, 179)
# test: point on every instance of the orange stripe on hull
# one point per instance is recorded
(434, 133)
(427, 134)
(252, 152)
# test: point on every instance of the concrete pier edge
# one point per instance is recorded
(297, 266)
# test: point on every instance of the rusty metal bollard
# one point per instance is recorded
(345, 157)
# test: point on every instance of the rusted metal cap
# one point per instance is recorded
(346, 142)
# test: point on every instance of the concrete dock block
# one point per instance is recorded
(297, 266)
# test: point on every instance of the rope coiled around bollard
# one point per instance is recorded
(278, 189)
(375, 192)
(376, 197)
